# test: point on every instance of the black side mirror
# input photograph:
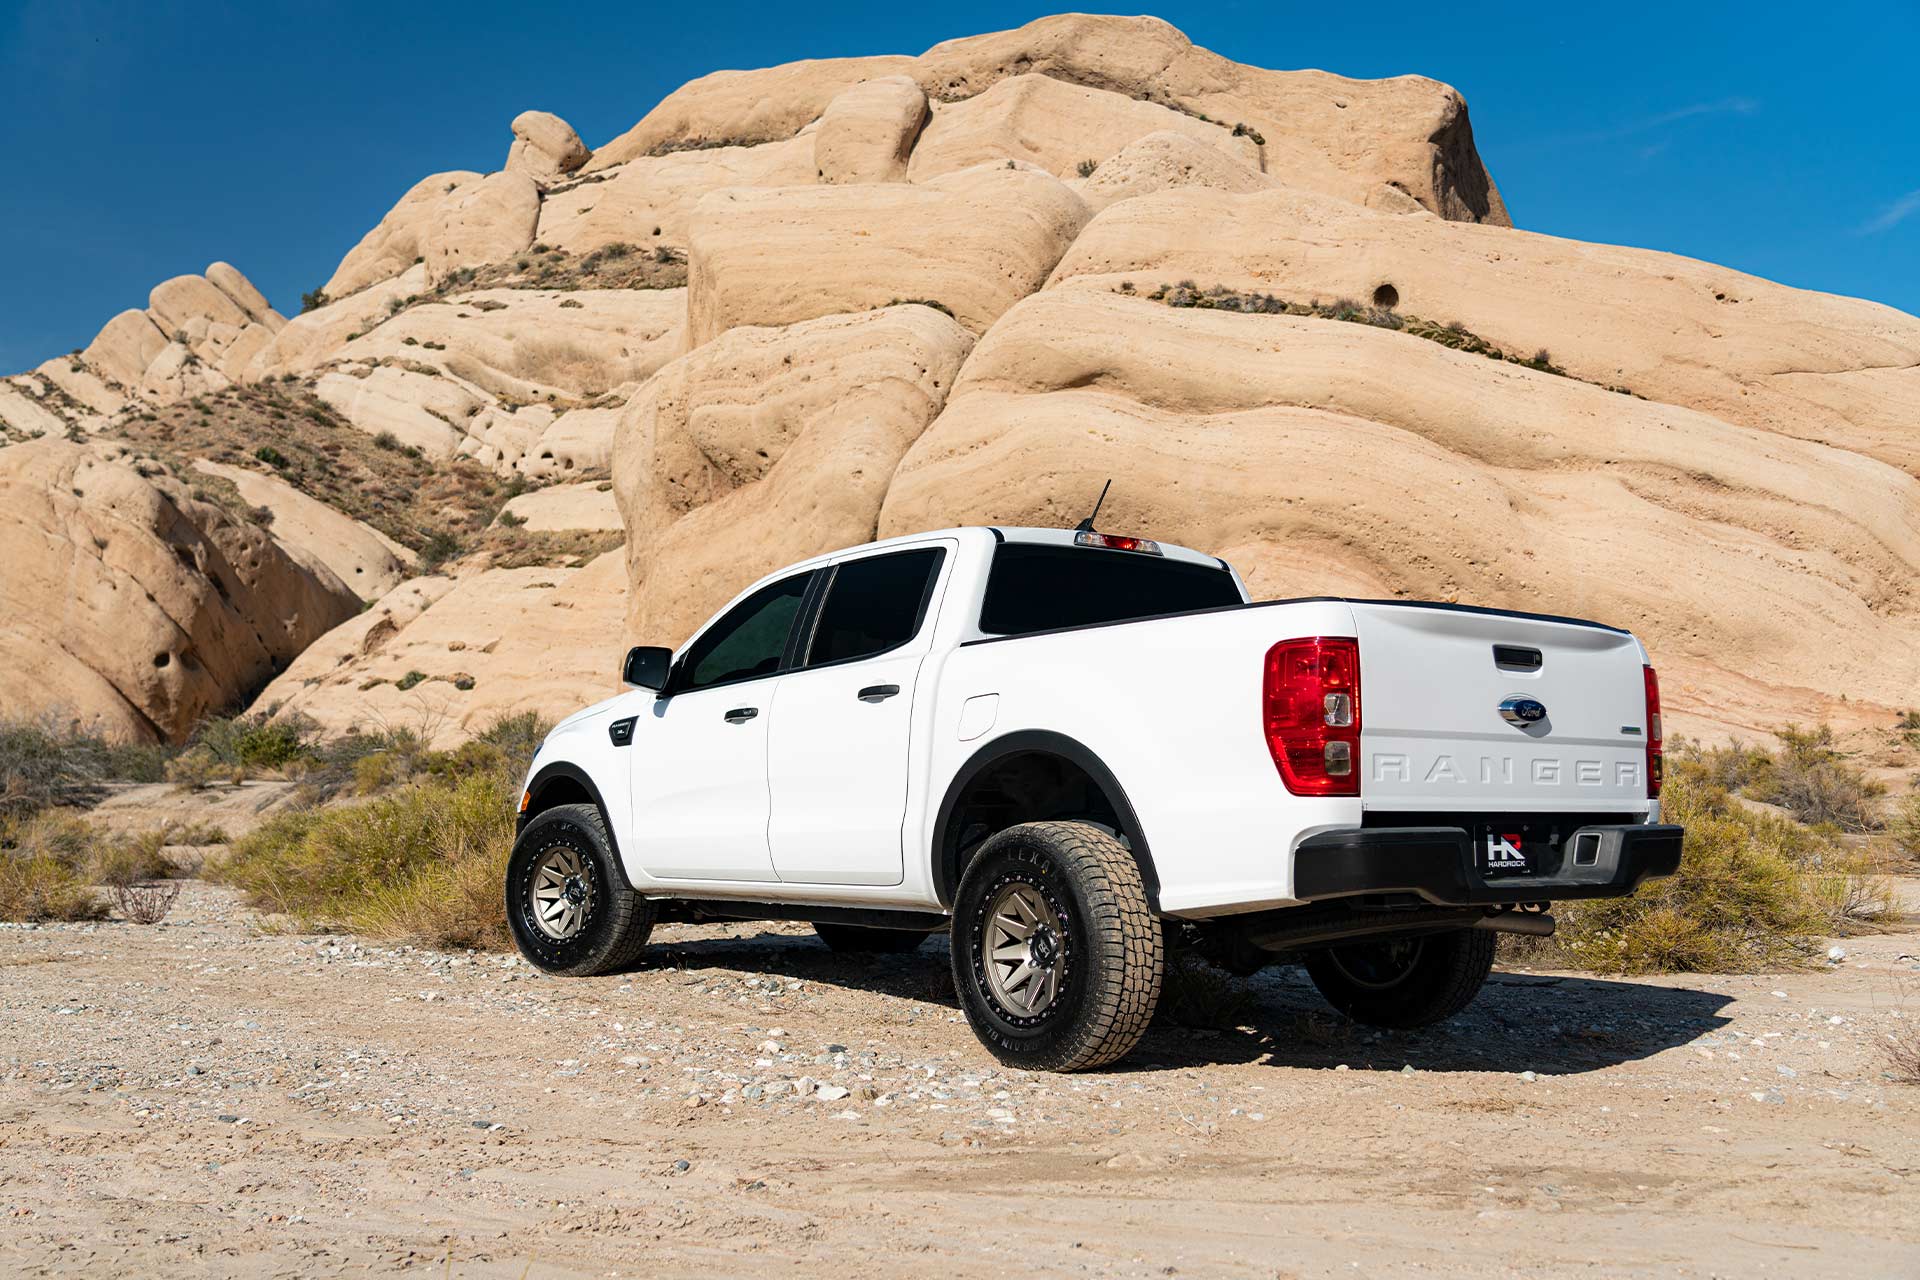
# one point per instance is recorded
(647, 666)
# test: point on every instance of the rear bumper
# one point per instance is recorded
(1437, 864)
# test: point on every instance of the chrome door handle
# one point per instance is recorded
(878, 692)
(740, 715)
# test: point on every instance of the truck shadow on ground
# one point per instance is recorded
(1553, 1024)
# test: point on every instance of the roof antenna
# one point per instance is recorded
(1086, 526)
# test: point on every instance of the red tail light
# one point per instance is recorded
(1656, 748)
(1311, 714)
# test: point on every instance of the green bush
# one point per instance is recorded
(42, 766)
(1754, 891)
(425, 863)
(255, 742)
(43, 861)
(1814, 781)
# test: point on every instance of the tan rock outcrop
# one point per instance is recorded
(534, 344)
(545, 147)
(649, 201)
(125, 346)
(312, 338)
(490, 220)
(177, 304)
(491, 644)
(133, 608)
(1668, 328)
(229, 281)
(974, 242)
(579, 440)
(1332, 134)
(1321, 456)
(766, 446)
(868, 131)
(397, 241)
(1057, 126)
(368, 562)
(1166, 161)
(563, 508)
(420, 410)
(24, 413)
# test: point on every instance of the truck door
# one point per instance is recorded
(842, 721)
(700, 774)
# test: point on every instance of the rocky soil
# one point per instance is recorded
(212, 1096)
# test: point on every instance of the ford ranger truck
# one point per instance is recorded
(1072, 751)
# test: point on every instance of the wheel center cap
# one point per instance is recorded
(1045, 947)
(575, 890)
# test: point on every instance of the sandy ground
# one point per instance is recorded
(207, 1098)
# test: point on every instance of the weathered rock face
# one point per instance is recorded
(366, 561)
(563, 508)
(133, 608)
(490, 220)
(1321, 456)
(1668, 328)
(1163, 162)
(398, 240)
(197, 334)
(868, 131)
(649, 201)
(448, 658)
(1058, 127)
(766, 446)
(545, 147)
(1347, 138)
(973, 242)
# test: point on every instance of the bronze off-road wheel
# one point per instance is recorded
(1057, 956)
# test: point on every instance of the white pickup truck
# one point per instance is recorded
(1074, 750)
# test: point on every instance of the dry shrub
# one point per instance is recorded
(1816, 783)
(557, 362)
(1902, 1052)
(425, 863)
(1754, 892)
(117, 863)
(146, 903)
(42, 876)
(1905, 827)
(43, 765)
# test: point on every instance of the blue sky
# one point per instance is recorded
(142, 140)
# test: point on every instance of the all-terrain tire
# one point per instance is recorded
(1104, 951)
(858, 938)
(615, 921)
(1404, 983)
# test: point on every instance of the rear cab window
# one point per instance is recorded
(1033, 586)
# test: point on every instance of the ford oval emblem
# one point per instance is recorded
(1523, 711)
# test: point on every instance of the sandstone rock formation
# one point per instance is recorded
(868, 132)
(1665, 327)
(1161, 162)
(1344, 137)
(133, 608)
(447, 658)
(972, 242)
(564, 507)
(398, 240)
(545, 147)
(768, 445)
(649, 201)
(366, 561)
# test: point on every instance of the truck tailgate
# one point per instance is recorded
(1434, 736)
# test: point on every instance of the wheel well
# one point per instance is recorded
(556, 791)
(1034, 784)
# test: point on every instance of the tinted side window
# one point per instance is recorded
(874, 605)
(749, 638)
(1036, 587)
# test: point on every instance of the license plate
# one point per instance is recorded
(1503, 853)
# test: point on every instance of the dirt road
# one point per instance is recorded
(203, 1097)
